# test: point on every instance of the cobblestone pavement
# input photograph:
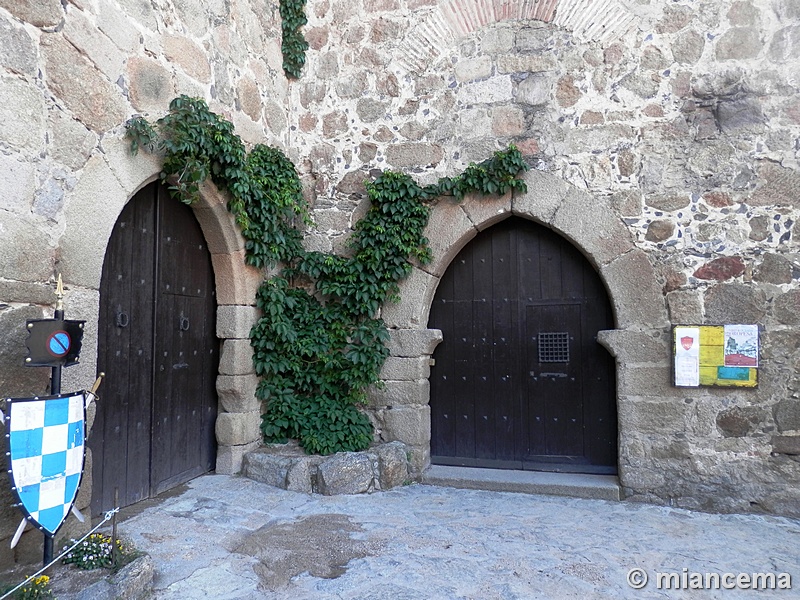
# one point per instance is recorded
(225, 537)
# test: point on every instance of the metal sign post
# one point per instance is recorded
(46, 435)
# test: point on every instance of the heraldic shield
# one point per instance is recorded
(46, 441)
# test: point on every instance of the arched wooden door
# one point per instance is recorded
(158, 348)
(519, 381)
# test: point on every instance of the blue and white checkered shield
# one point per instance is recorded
(46, 438)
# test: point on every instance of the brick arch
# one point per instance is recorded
(588, 20)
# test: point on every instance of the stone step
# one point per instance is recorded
(598, 487)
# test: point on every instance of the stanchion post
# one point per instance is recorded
(114, 550)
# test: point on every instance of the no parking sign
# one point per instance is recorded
(53, 342)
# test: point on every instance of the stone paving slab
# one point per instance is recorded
(231, 538)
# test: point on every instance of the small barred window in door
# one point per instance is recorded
(553, 347)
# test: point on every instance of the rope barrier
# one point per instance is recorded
(109, 514)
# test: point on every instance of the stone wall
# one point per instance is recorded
(71, 74)
(680, 120)
(674, 124)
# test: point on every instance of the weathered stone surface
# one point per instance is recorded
(237, 393)
(42, 13)
(22, 114)
(236, 357)
(17, 49)
(84, 242)
(71, 142)
(660, 230)
(236, 281)
(412, 154)
(667, 202)
(759, 228)
(535, 90)
(593, 227)
(134, 581)
(721, 269)
(774, 269)
(654, 416)
(740, 114)
(785, 45)
(370, 110)
(392, 465)
(405, 369)
(786, 444)
(118, 27)
(508, 121)
(688, 47)
(734, 303)
(740, 421)
(267, 467)
(410, 425)
(188, 55)
(25, 253)
(93, 99)
(219, 229)
(484, 211)
(777, 186)
(417, 292)
(151, 85)
(236, 321)
(685, 306)
(652, 380)
(334, 123)
(345, 473)
(739, 43)
(413, 342)
(230, 458)
(630, 347)
(633, 291)
(237, 429)
(399, 393)
(787, 415)
(15, 378)
(17, 182)
(471, 69)
(684, 119)
(82, 33)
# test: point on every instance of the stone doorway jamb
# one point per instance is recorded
(402, 410)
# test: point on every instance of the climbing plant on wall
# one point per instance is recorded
(293, 44)
(319, 345)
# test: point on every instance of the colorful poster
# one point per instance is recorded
(687, 356)
(741, 345)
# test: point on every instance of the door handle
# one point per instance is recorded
(122, 319)
(552, 374)
(184, 324)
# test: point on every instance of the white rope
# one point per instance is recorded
(107, 518)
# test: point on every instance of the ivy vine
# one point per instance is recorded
(319, 345)
(293, 45)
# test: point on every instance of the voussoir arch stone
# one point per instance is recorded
(588, 222)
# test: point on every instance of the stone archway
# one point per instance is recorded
(108, 181)
(402, 410)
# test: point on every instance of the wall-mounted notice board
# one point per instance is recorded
(719, 355)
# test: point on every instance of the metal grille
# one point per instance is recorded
(553, 347)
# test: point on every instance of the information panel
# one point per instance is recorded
(715, 355)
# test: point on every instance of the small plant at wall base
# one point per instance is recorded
(319, 347)
(96, 552)
(36, 589)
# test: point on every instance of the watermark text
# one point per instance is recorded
(691, 580)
